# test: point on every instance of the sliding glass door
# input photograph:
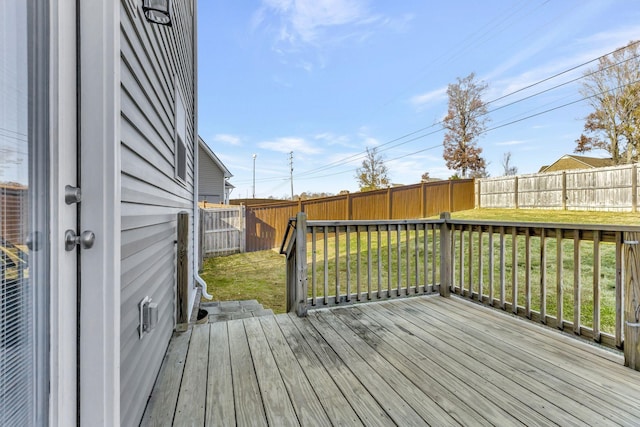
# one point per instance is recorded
(23, 214)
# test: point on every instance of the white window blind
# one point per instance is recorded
(23, 393)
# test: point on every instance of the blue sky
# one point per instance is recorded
(328, 78)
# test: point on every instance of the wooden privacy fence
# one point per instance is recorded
(222, 230)
(602, 189)
(266, 224)
(571, 277)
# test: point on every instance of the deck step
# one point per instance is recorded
(222, 311)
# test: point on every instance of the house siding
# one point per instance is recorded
(211, 179)
(155, 62)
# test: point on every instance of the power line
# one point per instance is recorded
(359, 155)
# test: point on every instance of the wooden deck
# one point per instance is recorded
(416, 361)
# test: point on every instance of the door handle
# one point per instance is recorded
(85, 240)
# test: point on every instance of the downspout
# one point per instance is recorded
(196, 222)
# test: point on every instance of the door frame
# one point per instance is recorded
(62, 164)
(99, 164)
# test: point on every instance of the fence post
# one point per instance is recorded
(515, 193)
(634, 187)
(564, 190)
(423, 199)
(445, 255)
(478, 193)
(182, 273)
(301, 264)
(201, 239)
(632, 300)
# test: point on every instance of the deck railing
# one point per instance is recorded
(571, 277)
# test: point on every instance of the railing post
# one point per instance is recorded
(182, 273)
(445, 255)
(632, 300)
(301, 289)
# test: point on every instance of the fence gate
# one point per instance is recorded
(223, 229)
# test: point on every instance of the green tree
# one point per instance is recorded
(465, 121)
(373, 174)
(612, 89)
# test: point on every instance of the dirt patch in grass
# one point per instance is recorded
(254, 275)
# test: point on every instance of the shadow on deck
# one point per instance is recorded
(417, 361)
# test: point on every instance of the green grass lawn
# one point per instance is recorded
(253, 275)
(261, 275)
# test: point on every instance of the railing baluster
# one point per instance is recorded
(426, 256)
(433, 255)
(416, 259)
(368, 263)
(337, 253)
(491, 265)
(326, 265)
(389, 261)
(399, 260)
(314, 290)
(379, 264)
(514, 269)
(470, 262)
(596, 286)
(577, 267)
(408, 263)
(461, 254)
(619, 289)
(348, 260)
(502, 270)
(359, 252)
(543, 276)
(559, 290)
(480, 264)
(527, 272)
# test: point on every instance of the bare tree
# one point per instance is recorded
(509, 169)
(373, 174)
(612, 89)
(425, 177)
(465, 121)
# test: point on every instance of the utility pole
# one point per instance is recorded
(291, 171)
(254, 175)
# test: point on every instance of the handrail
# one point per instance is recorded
(290, 226)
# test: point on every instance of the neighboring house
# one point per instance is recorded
(213, 186)
(98, 97)
(570, 161)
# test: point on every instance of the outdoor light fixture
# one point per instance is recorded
(157, 11)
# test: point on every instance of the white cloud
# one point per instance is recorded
(318, 23)
(288, 144)
(428, 97)
(227, 139)
(514, 142)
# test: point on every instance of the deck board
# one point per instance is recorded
(162, 402)
(276, 400)
(220, 407)
(190, 409)
(415, 361)
(246, 392)
(304, 399)
(579, 394)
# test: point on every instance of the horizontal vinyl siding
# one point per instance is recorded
(155, 61)
(210, 179)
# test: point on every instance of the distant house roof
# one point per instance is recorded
(214, 158)
(570, 161)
